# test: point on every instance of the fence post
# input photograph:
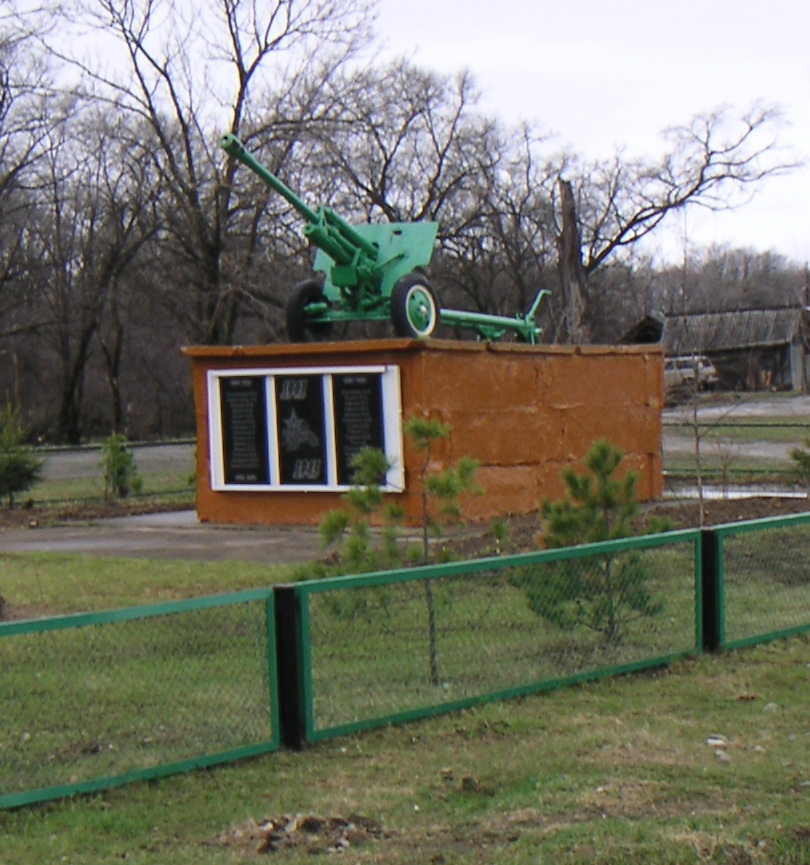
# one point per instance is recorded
(292, 715)
(712, 612)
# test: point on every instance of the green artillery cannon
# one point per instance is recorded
(372, 273)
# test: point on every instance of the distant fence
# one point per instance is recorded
(724, 446)
(75, 474)
(97, 700)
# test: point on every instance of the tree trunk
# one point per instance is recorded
(68, 425)
(572, 328)
(112, 360)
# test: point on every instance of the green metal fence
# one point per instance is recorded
(392, 646)
(92, 701)
(762, 572)
(96, 700)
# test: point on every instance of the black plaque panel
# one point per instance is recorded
(244, 429)
(301, 430)
(358, 418)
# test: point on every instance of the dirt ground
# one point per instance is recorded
(683, 514)
(686, 514)
(523, 530)
(37, 516)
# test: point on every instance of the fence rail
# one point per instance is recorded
(733, 447)
(96, 700)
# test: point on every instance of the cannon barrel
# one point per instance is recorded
(325, 230)
(234, 147)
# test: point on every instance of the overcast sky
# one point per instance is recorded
(608, 74)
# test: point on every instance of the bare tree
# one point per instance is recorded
(405, 142)
(715, 161)
(501, 260)
(27, 113)
(572, 325)
(95, 214)
(191, 73)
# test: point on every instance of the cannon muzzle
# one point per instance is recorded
(234, 147)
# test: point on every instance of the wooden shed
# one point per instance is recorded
(752, 349)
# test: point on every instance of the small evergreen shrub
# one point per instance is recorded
(121, 476)
(351, 527)
(602, 594)
(20, 468)
(801, 462)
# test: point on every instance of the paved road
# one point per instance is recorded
(61, 465)
(177, 535)
(738, 406)
(681, 440)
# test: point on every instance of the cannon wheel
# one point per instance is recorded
(414, 307)
(299, 328)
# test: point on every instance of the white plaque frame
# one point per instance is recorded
(391, 421)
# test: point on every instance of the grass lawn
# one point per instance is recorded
(155, 484)
(49, 584)
(619, 771)
(707, 761)
(772, 429)
(78, 474)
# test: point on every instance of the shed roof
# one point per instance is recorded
(718, 331)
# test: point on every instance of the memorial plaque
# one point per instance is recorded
(300, 430)
(358, 419)
(244, 429)
(278, 429)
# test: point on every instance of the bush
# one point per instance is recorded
(801, 462)
(121, 475)
(352, 526)
(440, 498)
(602, 594)
(20, 468)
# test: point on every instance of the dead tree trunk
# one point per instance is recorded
(572, 328)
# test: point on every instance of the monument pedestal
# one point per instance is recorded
(277, 425)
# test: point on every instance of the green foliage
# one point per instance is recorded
(440, 490)
(600, 593)
(423, 431)
(801, 462)
(501, 535)
(121, 476)
(447, 486)
(351, 527)
(365, 503)
(20, 468)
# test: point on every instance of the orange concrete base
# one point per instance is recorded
(524, 412)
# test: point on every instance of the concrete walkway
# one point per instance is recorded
(176, 535)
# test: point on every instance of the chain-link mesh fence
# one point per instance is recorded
(386, 647)
(106, 695)
(765, 579)
(96, 699)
